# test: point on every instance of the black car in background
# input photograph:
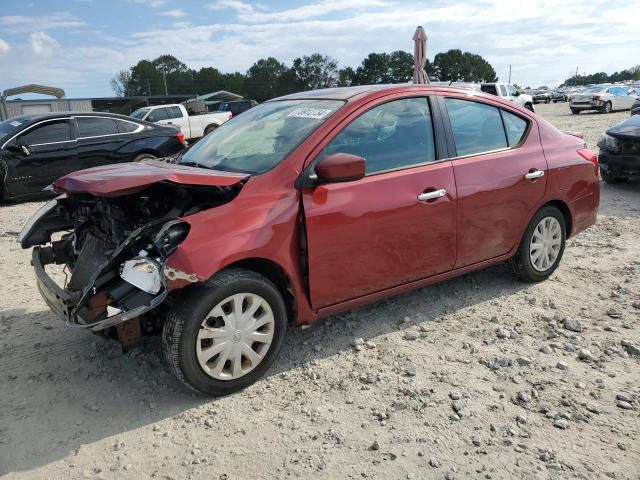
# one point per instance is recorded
(236, 107)
(35, 150)
(541, 96)
(558, 96)
(635, 108)
(619, 155)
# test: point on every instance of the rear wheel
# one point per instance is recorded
(528, 106)
(144, 156)
(222, 336)
(542, 246)
(612, 177)
(209, 129)
(547, 100)
(575, 111)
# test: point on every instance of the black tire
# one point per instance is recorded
(521, 261)
(547, 100)
(144, 156)
(575, 111)
(179, 334)
(528, 106)
(607, 108)
(209, 129)
(611, 177)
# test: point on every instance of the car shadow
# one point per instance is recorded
(64, 388)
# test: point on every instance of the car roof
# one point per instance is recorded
(45, 116)
(351, 93)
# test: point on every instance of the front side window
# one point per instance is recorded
(262, 137)
(96, 127)
(158, 114)
(511, 90)
(50, 132)
(477, 127)
(393, 135)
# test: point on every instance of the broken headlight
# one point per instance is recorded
(142, 272)
(170, 236)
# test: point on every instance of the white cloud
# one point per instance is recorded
(237, 5)
(4, 47)
(310, 11)
(150, 3)
(542, 48)
(23, 23)
(43, 44)
(175, 13)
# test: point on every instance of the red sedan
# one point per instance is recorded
(305, 206)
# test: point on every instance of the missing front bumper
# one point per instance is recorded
(67, 305)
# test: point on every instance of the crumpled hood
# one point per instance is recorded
(126, 178)
(629, 128)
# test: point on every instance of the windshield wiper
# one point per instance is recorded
(194, 164)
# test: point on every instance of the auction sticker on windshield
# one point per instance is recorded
(309, 113)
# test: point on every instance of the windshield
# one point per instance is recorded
(8, 126)
(141, 112)
(594, 89)
(262, 137)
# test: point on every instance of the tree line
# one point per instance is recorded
(632, 73)
(268, 77)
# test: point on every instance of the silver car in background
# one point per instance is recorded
(604, 99)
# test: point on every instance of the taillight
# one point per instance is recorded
(181, 137)
(589, 155)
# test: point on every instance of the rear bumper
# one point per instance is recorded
(65, 303)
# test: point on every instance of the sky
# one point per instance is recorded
(79, 45)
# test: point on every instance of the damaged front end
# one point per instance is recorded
(111, 251)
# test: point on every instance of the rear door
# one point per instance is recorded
(374, 233)
(50, 152)
(500, 173)
(98, 141)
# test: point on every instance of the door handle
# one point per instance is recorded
(169, 123)
(423, 197)
(533, 175)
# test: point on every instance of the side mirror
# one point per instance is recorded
(340, 167)
(18, 148)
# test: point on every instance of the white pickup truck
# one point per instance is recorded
(508, 92)
(191, 126)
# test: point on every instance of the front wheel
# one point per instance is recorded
(575, 111)
(542, 246)
(547, 100)
(607, 108)
(222, 336)
(144, 156)
(529, 107)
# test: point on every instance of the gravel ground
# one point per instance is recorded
(478, 377)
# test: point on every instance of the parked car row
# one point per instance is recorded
(601, 98)
(35, 150)
(620, 151)
(249, 231)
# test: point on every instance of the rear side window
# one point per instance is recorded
(390, 136)
(174, 112)
(96, 127)
(503, 91)
(477, 127)
(50, 132)
(157, 115)
(489, 89)
(127, 127)
(514, 126)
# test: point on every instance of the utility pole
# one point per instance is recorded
(164, 76)
(509, 73)
(148, 88)
(576, 76)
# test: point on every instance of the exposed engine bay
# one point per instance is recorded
(113, 249)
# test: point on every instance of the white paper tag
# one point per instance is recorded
(309, 113)
(15, 123)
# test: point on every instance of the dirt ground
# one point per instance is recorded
(478, 377)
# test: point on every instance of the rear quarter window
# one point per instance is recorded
(515, 128)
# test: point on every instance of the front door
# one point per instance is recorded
(39, 156)
(375, 233)
(500, 172)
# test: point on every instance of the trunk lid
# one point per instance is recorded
(126, 178)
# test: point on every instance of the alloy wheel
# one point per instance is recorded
(545, 245)
(235, 336)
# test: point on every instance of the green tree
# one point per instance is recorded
(378, 68)
(458, 66)
(315, 71)
(263, 79)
